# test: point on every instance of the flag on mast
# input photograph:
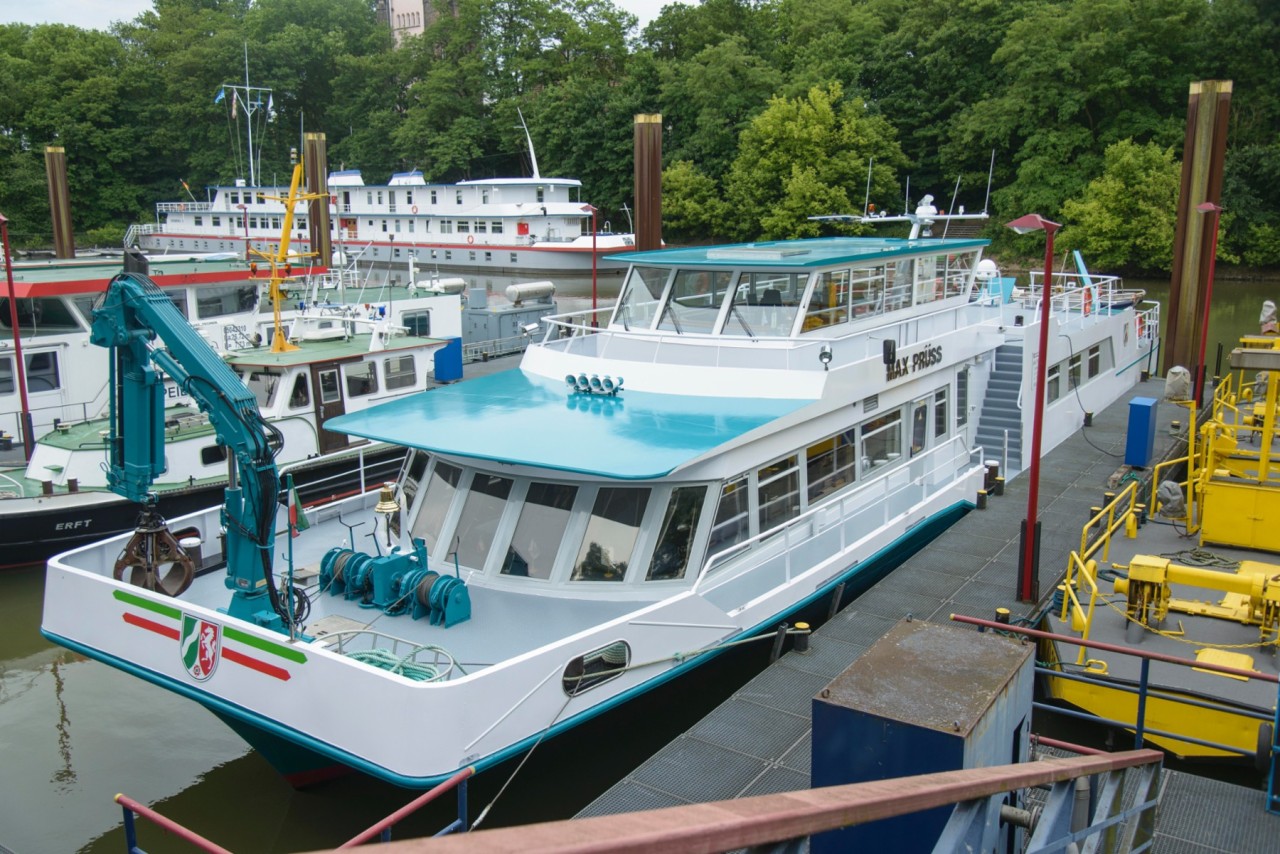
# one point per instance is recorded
(271, 108)
(222, 93)
(298, 521)
(234, 100)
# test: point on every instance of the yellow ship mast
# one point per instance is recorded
(281, 269)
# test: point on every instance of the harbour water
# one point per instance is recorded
(73, 732)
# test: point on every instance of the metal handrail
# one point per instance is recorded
(715, 564)
(766, 819)
(132, 807)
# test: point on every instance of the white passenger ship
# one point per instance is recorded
(524, 226)
(748, 429)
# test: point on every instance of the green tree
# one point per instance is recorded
(1076, 78)
(1125, 217)
(821, 133)
(708, 100)
(693, 209)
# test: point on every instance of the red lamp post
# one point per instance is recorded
(20, 368)
(1029, 556)
(1207, 207)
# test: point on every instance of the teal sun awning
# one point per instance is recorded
(517, 418)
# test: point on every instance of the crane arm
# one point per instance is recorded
(134, 313)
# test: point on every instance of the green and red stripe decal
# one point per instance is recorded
(266, 657)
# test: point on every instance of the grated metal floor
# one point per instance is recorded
(759, 740)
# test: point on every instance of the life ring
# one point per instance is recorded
(414, 209)
(1138, 323)
(1088, 301)
(470, 239)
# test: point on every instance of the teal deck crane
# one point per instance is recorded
(133, 314)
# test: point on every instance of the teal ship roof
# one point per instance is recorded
(522, 419)
(797, 254)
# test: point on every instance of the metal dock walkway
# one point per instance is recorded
(758, 741)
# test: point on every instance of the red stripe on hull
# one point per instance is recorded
(254, 664)
(143, 623)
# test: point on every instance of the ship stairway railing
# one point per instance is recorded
(1264, 757)
(380, 830)
(483, 351)
(754, 565)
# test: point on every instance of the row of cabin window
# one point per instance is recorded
(358, 379)
(610, 536)
(234, 197)
(599, 550)
(785, 488)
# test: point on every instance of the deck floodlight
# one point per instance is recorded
(824, 356)
(584, 384)
(570, 380)
(609, 387)
(596, 385)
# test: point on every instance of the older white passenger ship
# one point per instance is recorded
(525, 226)
(748, 429)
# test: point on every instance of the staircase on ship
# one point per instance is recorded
(1001, 411)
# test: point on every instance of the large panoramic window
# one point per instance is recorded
(480, 516)
(435, 505)
(882, 440)
(831, 464)
(640, 297)
(764, 304)
(611, 534)
(543, 518)
(675, 540)
(695, 301)
(732, 524)
(779, 485)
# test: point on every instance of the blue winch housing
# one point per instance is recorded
(397, 583)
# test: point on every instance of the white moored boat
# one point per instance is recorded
(748, 428)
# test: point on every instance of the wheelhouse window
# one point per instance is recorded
(882, 440)
(417, 322)
(695, 301)
(831, 464)
(481, 513)
(415, 468)
(263, 384)
(732, 524)
(829, 302)
(400, 372)
(611, 534)
(640, 298)
(779, 487)
(764, 304)
(41, 314)
(543, 519)
(361, 378)
(866, 290)
(675, 540)
(435, 505)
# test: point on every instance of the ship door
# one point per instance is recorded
(329, 404)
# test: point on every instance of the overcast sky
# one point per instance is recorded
(99, 14)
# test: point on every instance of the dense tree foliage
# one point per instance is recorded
(773, 109)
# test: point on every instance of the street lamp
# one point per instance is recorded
(20, 368)
(1207, 207)
(1029, 556)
